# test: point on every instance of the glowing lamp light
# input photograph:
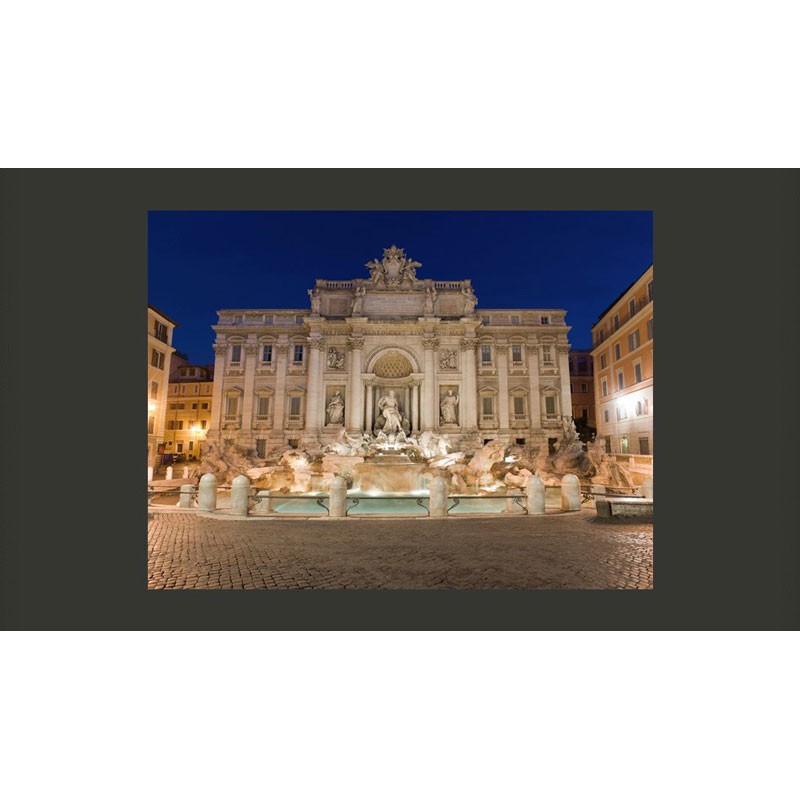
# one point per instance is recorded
(151, 406)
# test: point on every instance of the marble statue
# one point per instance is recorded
(430, 300)
(358, 301)
(315, 300)
(448, 406)
(335, 359)
(336, 409)
(390, 411)
(394, 268)
(470, 301)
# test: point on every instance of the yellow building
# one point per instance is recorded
(188, 409)
(159, 354)
(623, 367)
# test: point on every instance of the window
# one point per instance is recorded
(545, 320)
(650, 328)
(514, 319)
(153, 390)
(298, 354)
(516, 353)
(604, 386)
(196, 388)
(632, 307)
(642, 407)
(519, 406)
(180, 424)
(620, 380)
(547, 354)
(584, 387)
(487, 406)
(486, 354)
(181, 406)
(633, 341)
(180, 447)
(266, 354)
(151, 424)
(621, 413)
(550, 405)
(194, 406)
(236, 353)
(203, 423)
(232, 406)
(183, 391)
(263, 407)
(603, 361)
(170, 424)
(173, 406)
(191, 445)
(617, 351)
(160, 331)
(261, 448)
(608, 444)
(294, 406)
(644, 446)
(520, 441)
(157, 359)
(581, 366)
(637, 372)
(616, 322)
(601, 336)
(605, 416)
(204, 406)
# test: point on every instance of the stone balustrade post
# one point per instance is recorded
(240, 495)
(338, 495)
(570, 493)
(264, 499)
(438, 500)
(534, 491)
(185, 472)
(186, 496)
(169, 473)
(207, 493)
(149, 474)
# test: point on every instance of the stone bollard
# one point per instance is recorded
(149, 474)
(438, 501)
(240, 495)
(338, 501)
(186, 496)
(535, 492)
(648, 486)
(570, 493)
(207, 496)
(185, 473)
(169, 473)
(264, 499)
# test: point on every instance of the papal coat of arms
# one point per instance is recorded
(394, 268)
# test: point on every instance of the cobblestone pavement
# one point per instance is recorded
(559, 551)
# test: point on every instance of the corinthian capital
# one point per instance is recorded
(562, 348)
(469, 344)
(316, 344)
(251, 348)
(220, 348)
(281, 349)
(430, 344)
(355, 344)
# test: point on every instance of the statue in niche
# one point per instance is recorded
(448, 406)
(315, 300)
(470, 301)
(447, 359)
(390, 412)
(336, 409)
(358, 301)
(430, 301)
(335, 359)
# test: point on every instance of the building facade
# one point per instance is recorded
(623, 363)
(391, 345)
(159, 354)
(188, 418)
(581, 373)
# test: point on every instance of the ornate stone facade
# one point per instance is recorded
(475, 374)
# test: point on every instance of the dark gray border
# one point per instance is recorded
(73, 535)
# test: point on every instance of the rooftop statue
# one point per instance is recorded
(394, 268)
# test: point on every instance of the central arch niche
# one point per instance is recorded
(393, 365)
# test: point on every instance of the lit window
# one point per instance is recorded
(642, 407)
(621, 413)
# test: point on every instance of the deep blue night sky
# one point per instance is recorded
(202, 261)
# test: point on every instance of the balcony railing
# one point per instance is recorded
(625, 314)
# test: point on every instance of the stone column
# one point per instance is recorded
(355, 391)
(314, 384)
(469, 392)
(534, 399)
(219, 378)
(251, 351)
(368, 420)
(502, 385)
(563, 369)
(415, 407)
(429, 416)
(279, 422)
